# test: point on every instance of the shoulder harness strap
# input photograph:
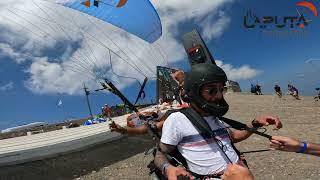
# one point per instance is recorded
(203, 127)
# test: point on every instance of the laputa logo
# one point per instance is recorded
(252, 21)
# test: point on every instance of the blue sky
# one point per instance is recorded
(31, 86)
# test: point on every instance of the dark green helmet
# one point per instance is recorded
(200, 75)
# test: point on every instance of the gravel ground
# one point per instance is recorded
(125, 159)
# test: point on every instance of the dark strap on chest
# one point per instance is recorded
(203, 128)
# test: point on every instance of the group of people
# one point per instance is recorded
(207, 156)
(293, 91)
(256, 89)
(104, 116)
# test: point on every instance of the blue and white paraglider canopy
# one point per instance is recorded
(137, 17)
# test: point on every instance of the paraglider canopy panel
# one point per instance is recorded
(137, 17)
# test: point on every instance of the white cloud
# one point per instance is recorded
(7, 86)
(47, 77)
(206, 14)
(214, 29)
(65, 53)
(13, 45)
(241, 73)
(7, 51)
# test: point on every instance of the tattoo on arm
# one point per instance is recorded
(160, 157)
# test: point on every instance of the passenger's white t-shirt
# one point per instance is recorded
(203, 156)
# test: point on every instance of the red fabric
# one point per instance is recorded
(107, 110)
(130, 124)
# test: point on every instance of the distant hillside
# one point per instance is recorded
(46, 128)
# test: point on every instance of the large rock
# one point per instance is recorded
(233, 86)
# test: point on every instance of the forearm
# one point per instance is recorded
(313, 149)
(160, 159)
(161, 155)
(238, 135)
(288, 144)
(136, 131)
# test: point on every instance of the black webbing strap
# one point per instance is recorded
(240, 126)
(201, 125)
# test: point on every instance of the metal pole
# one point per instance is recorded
(61, 105)
(87, 97)
(64, 113)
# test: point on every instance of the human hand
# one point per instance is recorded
(173, 172)
(236, 172)
(285, 144)
(117, 128)
(266, 120)
(179, 76)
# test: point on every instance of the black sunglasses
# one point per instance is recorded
(214, 90)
